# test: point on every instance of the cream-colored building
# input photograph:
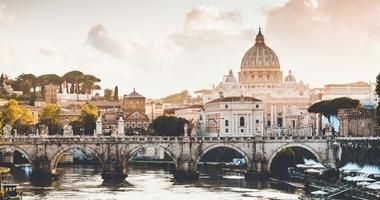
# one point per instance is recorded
(232, 116)
(286, 100)
(229, 87)
(364, 92)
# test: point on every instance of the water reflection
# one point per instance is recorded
(146, 182)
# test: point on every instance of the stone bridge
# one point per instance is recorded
(114, 152)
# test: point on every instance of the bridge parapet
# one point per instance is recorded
(157, 139)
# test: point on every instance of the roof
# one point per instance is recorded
(134, 94)
(235, 98)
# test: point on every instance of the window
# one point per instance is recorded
(257, 121)
(226, 130)
(257, 106)
(138, 124)
(127, 124)
(226, 106)
(133, 125)
(226, 123)
(242, 121)
(241, 130)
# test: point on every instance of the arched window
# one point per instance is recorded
(242, 122)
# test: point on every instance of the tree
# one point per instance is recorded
(108, 94)
(88, 117)
(11, 113)
(116, 94)
(50, 118)
(25, 122)
(16, 116)
(169, 126)
(330, 108)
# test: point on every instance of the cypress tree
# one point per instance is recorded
(116, 94)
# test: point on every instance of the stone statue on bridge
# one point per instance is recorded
(7, 130)
(67, 130)
(44, 130)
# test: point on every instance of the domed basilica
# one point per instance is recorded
(285, 100)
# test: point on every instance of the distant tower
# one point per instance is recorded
(260, 67)
(51, 93)
(133, 102)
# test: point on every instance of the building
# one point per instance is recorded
(285, 100)
(229, 87)
(364, 92)
(232, 116)
(153, 109)
(51, 92)
(134, 112)
(190, 113)
(358, 122)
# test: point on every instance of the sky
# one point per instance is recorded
(162, 47)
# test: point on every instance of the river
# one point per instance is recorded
(146, 182)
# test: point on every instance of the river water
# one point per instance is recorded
(146, 182)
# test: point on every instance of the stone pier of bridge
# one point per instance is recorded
(114, 152)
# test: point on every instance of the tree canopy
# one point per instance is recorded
(108, 94)
(169, 126)
(17, 116)
(88, 118)
(330, 108)
(75, 82)
(50, 118)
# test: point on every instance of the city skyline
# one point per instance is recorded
(189, 47)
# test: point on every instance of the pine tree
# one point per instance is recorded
(116, 94)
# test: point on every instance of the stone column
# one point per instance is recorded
(120, 127)
(114, 165)
(186, 166)
(41, 169)
(99, 127)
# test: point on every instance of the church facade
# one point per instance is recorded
(286, 100)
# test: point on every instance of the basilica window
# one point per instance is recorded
(226, 123)
(242, 121)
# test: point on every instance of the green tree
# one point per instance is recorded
(330, 108)
(50, 118)
(116, 94)
(108, 94)
(169, 126)
(88, 117)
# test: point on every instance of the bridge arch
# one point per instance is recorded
(19, 149)
(230, 146)
(130, 152)
(59, 154)
(289, 145)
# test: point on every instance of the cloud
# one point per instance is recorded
(331, 37)
(99, 39)
(6, 16)
(208, 26)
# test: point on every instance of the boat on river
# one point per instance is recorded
(10, 192)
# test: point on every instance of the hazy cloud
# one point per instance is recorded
(323, 35)
(99, 39)
(6, 16)
(208, 26)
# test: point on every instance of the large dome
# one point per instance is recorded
(260, 55)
